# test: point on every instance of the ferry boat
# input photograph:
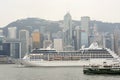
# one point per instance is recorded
(85, 56)
(102, 69)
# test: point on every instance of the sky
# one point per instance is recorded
(101, 10)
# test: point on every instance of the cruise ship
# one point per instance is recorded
(83, 57)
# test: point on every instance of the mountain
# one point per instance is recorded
(34, 23)
(105, 26)
(55, 26)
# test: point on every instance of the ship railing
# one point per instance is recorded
(94, 66)
(112, 53)
(104, 66)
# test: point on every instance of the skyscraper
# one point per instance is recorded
(108, 41)
(116, 35)
(60, 43)
(36, 39)
(14, 47)
(1, 32)
(24, 36)
(77, 38)
(12, 32)
(85, 24)
(68, 31)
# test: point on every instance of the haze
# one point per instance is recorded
(103, 10)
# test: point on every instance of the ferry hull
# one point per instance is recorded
(101, 71)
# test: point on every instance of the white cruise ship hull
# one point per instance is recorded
(38, 63)
(53, 63)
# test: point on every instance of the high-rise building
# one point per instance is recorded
(92, 34)
(85, 25)
(101, 40)
(109, 41)
(24, 36)
(15, 50)
(84, 39)
(95, 33)
(58, 44)
(77, 38)
(1, 42)
(10, 48)
(30, 44)
(1, 32)
(116, 35)
(6, 49)
(47, 36)
(68, 31)
(36, 39)
(12, 32)
(59, 34)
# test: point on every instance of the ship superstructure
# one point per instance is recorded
(51, 57)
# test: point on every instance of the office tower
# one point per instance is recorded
(100, 39)
(58, 44)
(15, 50)
(36, 39)
(4, 47)
(47, 36)
(12, 32)
(59, 34)
(108, 41)
(84, 39)
(85, 24)
(95, 33)
(1, 32)
(68, 32)
(1, 42)
(77, 38)
(2, 39)
(112, 40)
(116, 35)
(92, 34)
(95, 36)
(47, 40)
(24, 38)
(30, 43)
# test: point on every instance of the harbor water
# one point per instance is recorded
(15, 72)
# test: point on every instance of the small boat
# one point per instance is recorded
(102, 69)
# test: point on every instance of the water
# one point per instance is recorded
(14, 72)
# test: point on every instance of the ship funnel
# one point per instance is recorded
(49, 47)
(94, 45)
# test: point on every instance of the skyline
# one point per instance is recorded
(102, 10)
